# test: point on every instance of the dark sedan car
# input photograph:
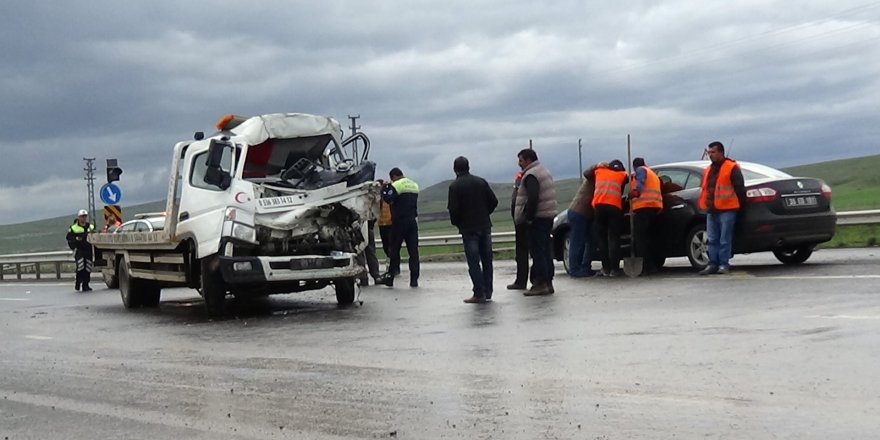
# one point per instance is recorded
(784, 214)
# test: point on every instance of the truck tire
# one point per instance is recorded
(344, 291)
(151, 293)
(697, 247)
(112, 281)
(129, 288)
(213, 288)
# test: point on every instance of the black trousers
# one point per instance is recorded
(607, 220)
(646, 239)
(405, 231)
(522, 254)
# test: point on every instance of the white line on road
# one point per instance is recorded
(15, 299)
(38, 337)
(859, 317)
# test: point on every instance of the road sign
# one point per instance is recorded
(110, 194)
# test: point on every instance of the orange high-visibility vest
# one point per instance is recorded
(609, 187)
(725, 196)
(650, 196)
(385, 217)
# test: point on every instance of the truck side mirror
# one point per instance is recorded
(215, 174)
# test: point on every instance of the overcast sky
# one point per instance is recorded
(780, 82)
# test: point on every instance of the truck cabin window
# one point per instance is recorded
(200, 169)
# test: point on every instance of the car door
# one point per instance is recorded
(680, 187)
(202, 205)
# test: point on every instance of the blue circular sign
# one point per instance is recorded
(111, 194)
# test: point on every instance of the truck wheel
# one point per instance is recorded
(151, 293)
(128, 288)
(213, 288)
(697, 247)
(794, 255)
(112, 281)
(344, 291)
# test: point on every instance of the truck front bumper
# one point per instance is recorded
(250, 270)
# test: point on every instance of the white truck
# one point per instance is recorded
(268, 204)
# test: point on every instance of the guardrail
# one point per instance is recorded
(58, 258)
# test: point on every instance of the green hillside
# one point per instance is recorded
(48, 235)
(855, 185)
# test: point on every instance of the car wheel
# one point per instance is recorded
(566, 248)
(794, 255)
(697, 247)
(344, 291)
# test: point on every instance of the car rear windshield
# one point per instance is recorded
(755, 171)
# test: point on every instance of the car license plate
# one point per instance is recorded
(801, 201)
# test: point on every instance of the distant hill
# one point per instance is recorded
(48, 235)
(855, 184)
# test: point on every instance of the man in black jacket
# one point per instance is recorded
(471, 202)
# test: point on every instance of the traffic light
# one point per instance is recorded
(113, 171)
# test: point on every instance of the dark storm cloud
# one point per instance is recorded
(431, 81)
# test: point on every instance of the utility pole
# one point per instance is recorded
(90, 179)
(354, 129)
(580, 162)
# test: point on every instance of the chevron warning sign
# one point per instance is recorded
(112, 216)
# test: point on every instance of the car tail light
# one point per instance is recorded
(761, 195)
(826, 191)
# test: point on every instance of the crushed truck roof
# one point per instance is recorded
(258, 129)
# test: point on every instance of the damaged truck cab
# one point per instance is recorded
(268, 204)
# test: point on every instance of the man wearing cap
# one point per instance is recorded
(608, 213)
(82, 250)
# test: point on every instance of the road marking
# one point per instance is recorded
(857, 317)
(15, 284)
(749, 276)
(38, 337)
(820, 277)
(15, 299)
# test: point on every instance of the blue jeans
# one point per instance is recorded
(539, 248)
(580, 255)
(719, 226)
(478, 252)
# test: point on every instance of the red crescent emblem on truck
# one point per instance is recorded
(241, 197)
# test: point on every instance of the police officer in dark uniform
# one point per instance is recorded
(402, 194)
(82, 250)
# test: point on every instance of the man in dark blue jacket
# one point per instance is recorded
(402, 194)
(470, 203)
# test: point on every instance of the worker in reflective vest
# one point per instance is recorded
(608, 213)
(403, 196)
(77, 240)
(647, 203)
(722, 192)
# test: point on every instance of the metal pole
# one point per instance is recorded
(580, 162)
(354, 129)
(90, 178)
(530, 145)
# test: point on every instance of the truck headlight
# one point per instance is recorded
(244, 232)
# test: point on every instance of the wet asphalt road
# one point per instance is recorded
(766, 352)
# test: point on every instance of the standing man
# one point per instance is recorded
(77, 240)
(403, 196)
(522, 242)
(608, 214)
(471, 201)
(722, 193)
(535, 208)
(647, 204)
(580, 219)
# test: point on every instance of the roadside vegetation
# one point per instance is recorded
(855, 185)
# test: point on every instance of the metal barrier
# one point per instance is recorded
(57, 258)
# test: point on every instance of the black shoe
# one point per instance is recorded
(539, 289)
(414, 283)
(516, 286)
(709, 270)
(87, 289)
(386, 279)
(76, 287)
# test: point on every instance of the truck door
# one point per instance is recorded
(202, 204)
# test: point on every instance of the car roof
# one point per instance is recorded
(770, 172)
